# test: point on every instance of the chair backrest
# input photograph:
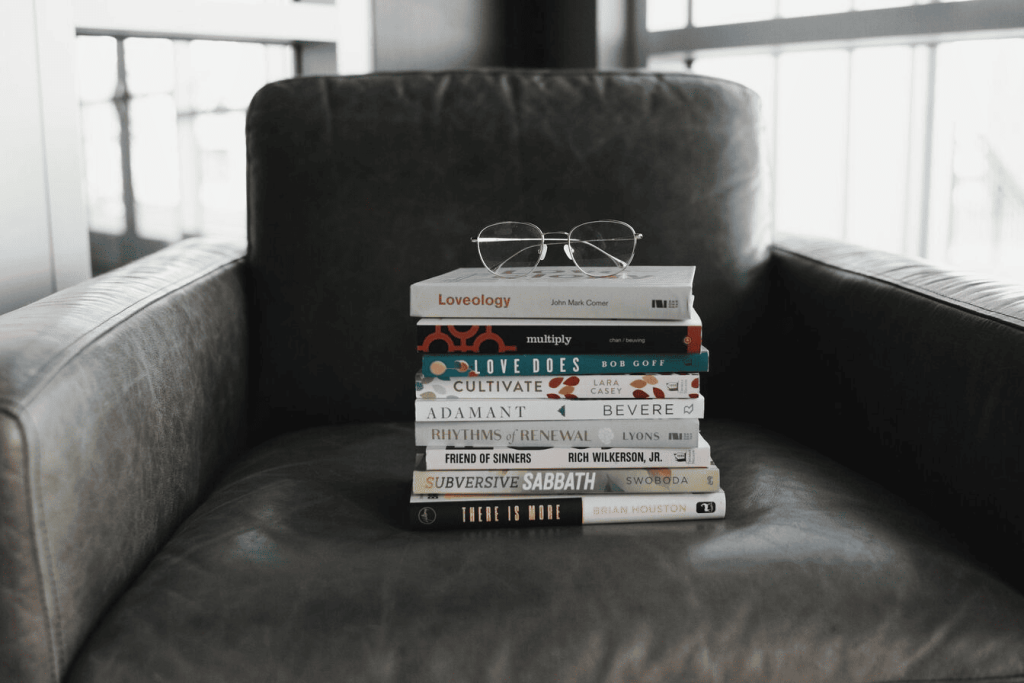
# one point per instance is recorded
(360, 186)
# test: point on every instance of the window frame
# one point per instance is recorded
(345, 26)
(929, 23)
(923, 27)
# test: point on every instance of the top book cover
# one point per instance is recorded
(638, 293)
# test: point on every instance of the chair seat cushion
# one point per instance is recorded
(301, 567)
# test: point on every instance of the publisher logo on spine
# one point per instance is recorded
(428, 516)
(664, 303)
(705, 508)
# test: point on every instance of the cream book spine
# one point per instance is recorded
(638, 293)
(658, 385)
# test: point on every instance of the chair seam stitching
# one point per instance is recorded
(1004, 318)
(959, 679)
(52, 367)
(41, 547)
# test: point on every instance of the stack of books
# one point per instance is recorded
(560, 399)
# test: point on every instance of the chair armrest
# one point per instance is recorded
(913, 374)
(120, 399)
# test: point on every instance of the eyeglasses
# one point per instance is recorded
(598, 248)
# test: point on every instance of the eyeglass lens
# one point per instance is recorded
(602, 247)
(511, 248)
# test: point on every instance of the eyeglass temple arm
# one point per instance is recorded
(568, 243)
(545, 239)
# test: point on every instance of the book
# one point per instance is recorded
(537, 335)
(471, 410)
(660, 433)
(638, 293)
(473, 512)
(561, 458)
(655, 385)
(561, 482)
(452, 365)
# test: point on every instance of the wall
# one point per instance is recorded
(43, 236)
(569, 34)
(438, 34)
(452, 34)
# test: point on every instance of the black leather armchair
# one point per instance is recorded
(205, 455)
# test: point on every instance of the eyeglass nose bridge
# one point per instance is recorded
(555, 237)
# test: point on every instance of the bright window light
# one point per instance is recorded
(716, 12)
(666, 15)
(898, 140)
(163, 127)
(811, 128)
(847, 132)
(878, 146)
(978, 171)
(96, 58)
(804, 8)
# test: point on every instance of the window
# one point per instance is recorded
(890, 124)
(163, 87)
(163, 127)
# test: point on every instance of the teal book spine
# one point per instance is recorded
(484, 365)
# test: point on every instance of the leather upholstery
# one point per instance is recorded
(120, 399)
(362, 186)
(870, 495)
(922, 370)
(300, 568)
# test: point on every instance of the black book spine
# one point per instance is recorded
(500, 512)
(557, 339)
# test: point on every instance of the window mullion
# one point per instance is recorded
(773, 159)
(122, 97)
(847, 181)
(923, 223)
(189, 215)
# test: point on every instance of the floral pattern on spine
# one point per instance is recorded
(645, 384)
(567, 384)
(572, 387)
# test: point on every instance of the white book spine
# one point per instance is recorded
(635, 305)
(642, 293)
(443, 458)
(653, 507)
(470, 410)
(662, 433)
(679, 385)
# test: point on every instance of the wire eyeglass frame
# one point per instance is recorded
(614, 266)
